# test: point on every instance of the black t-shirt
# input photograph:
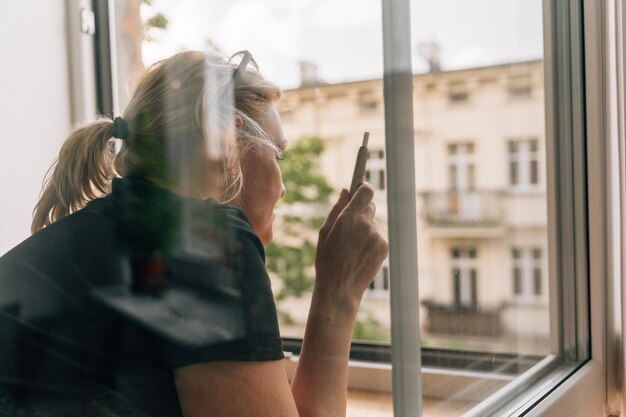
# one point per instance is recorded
(73, 334)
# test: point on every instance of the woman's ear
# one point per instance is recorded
(238, 122)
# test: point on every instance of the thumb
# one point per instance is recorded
(344, 199)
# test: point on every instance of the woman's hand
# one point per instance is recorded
(350, 248)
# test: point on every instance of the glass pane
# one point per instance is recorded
(534, 172)
(470, 177)
(494, 49)
(537, 281)
(517, 281)
(316, 92)
(452, 177)
(533, 146)
(513, 173)
(329, 99)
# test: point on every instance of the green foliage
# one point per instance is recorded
(292, 255)
(367, 327)
(158, 21)
(294, 266)
(302, 175)
(285, 317)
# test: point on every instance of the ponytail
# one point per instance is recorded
(82, 172)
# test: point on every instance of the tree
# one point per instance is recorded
(157, 20)
(301, 213)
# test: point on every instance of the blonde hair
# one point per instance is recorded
(166, 119)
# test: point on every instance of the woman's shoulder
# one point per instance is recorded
(236, 216)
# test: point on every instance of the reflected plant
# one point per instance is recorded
(157, 20)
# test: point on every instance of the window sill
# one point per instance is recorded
(580, 395)
(546, 389)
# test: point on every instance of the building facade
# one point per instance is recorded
(480, 192)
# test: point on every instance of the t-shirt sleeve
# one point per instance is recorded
(259, 339)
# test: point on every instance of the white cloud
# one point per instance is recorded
(468, 57)
(344, 37)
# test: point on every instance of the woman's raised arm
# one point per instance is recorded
(350, 251)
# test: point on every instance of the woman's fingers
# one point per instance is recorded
(344, 198)
(370, 210)
(361, 199)
(351, 247)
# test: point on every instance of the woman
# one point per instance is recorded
(194, 206)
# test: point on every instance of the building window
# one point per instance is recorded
(520, 88)
(526, 274)
(464, 277)
(368, 103)
(458, 97)
(458, 92)
(461, 166)
(375, 171)
(523, 164)
(520, 91)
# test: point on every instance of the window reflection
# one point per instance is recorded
(480, 186)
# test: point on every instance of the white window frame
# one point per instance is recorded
(578, 216)
(580, 391)
(591, 390)
(81, 61)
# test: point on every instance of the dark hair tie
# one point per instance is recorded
(120, 128)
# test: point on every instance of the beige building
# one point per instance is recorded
(480, 194)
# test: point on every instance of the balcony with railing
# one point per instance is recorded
(463, 208)
(460, 320)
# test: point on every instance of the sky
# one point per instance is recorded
(344, 37)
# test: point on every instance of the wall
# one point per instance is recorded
(34, 107)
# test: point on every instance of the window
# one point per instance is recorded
(375, 170)
(318, 98)
(464, 277)
(458, 93)
(523, 165)
(526, 274)
(368, 103)
(520, 91)
(520, 88)
(456, 285)
(463, 203)
(458, 97)
(560, 243)
(461, 166)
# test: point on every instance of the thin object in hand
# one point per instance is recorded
(359, 168)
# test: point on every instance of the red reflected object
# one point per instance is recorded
(148, 274)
